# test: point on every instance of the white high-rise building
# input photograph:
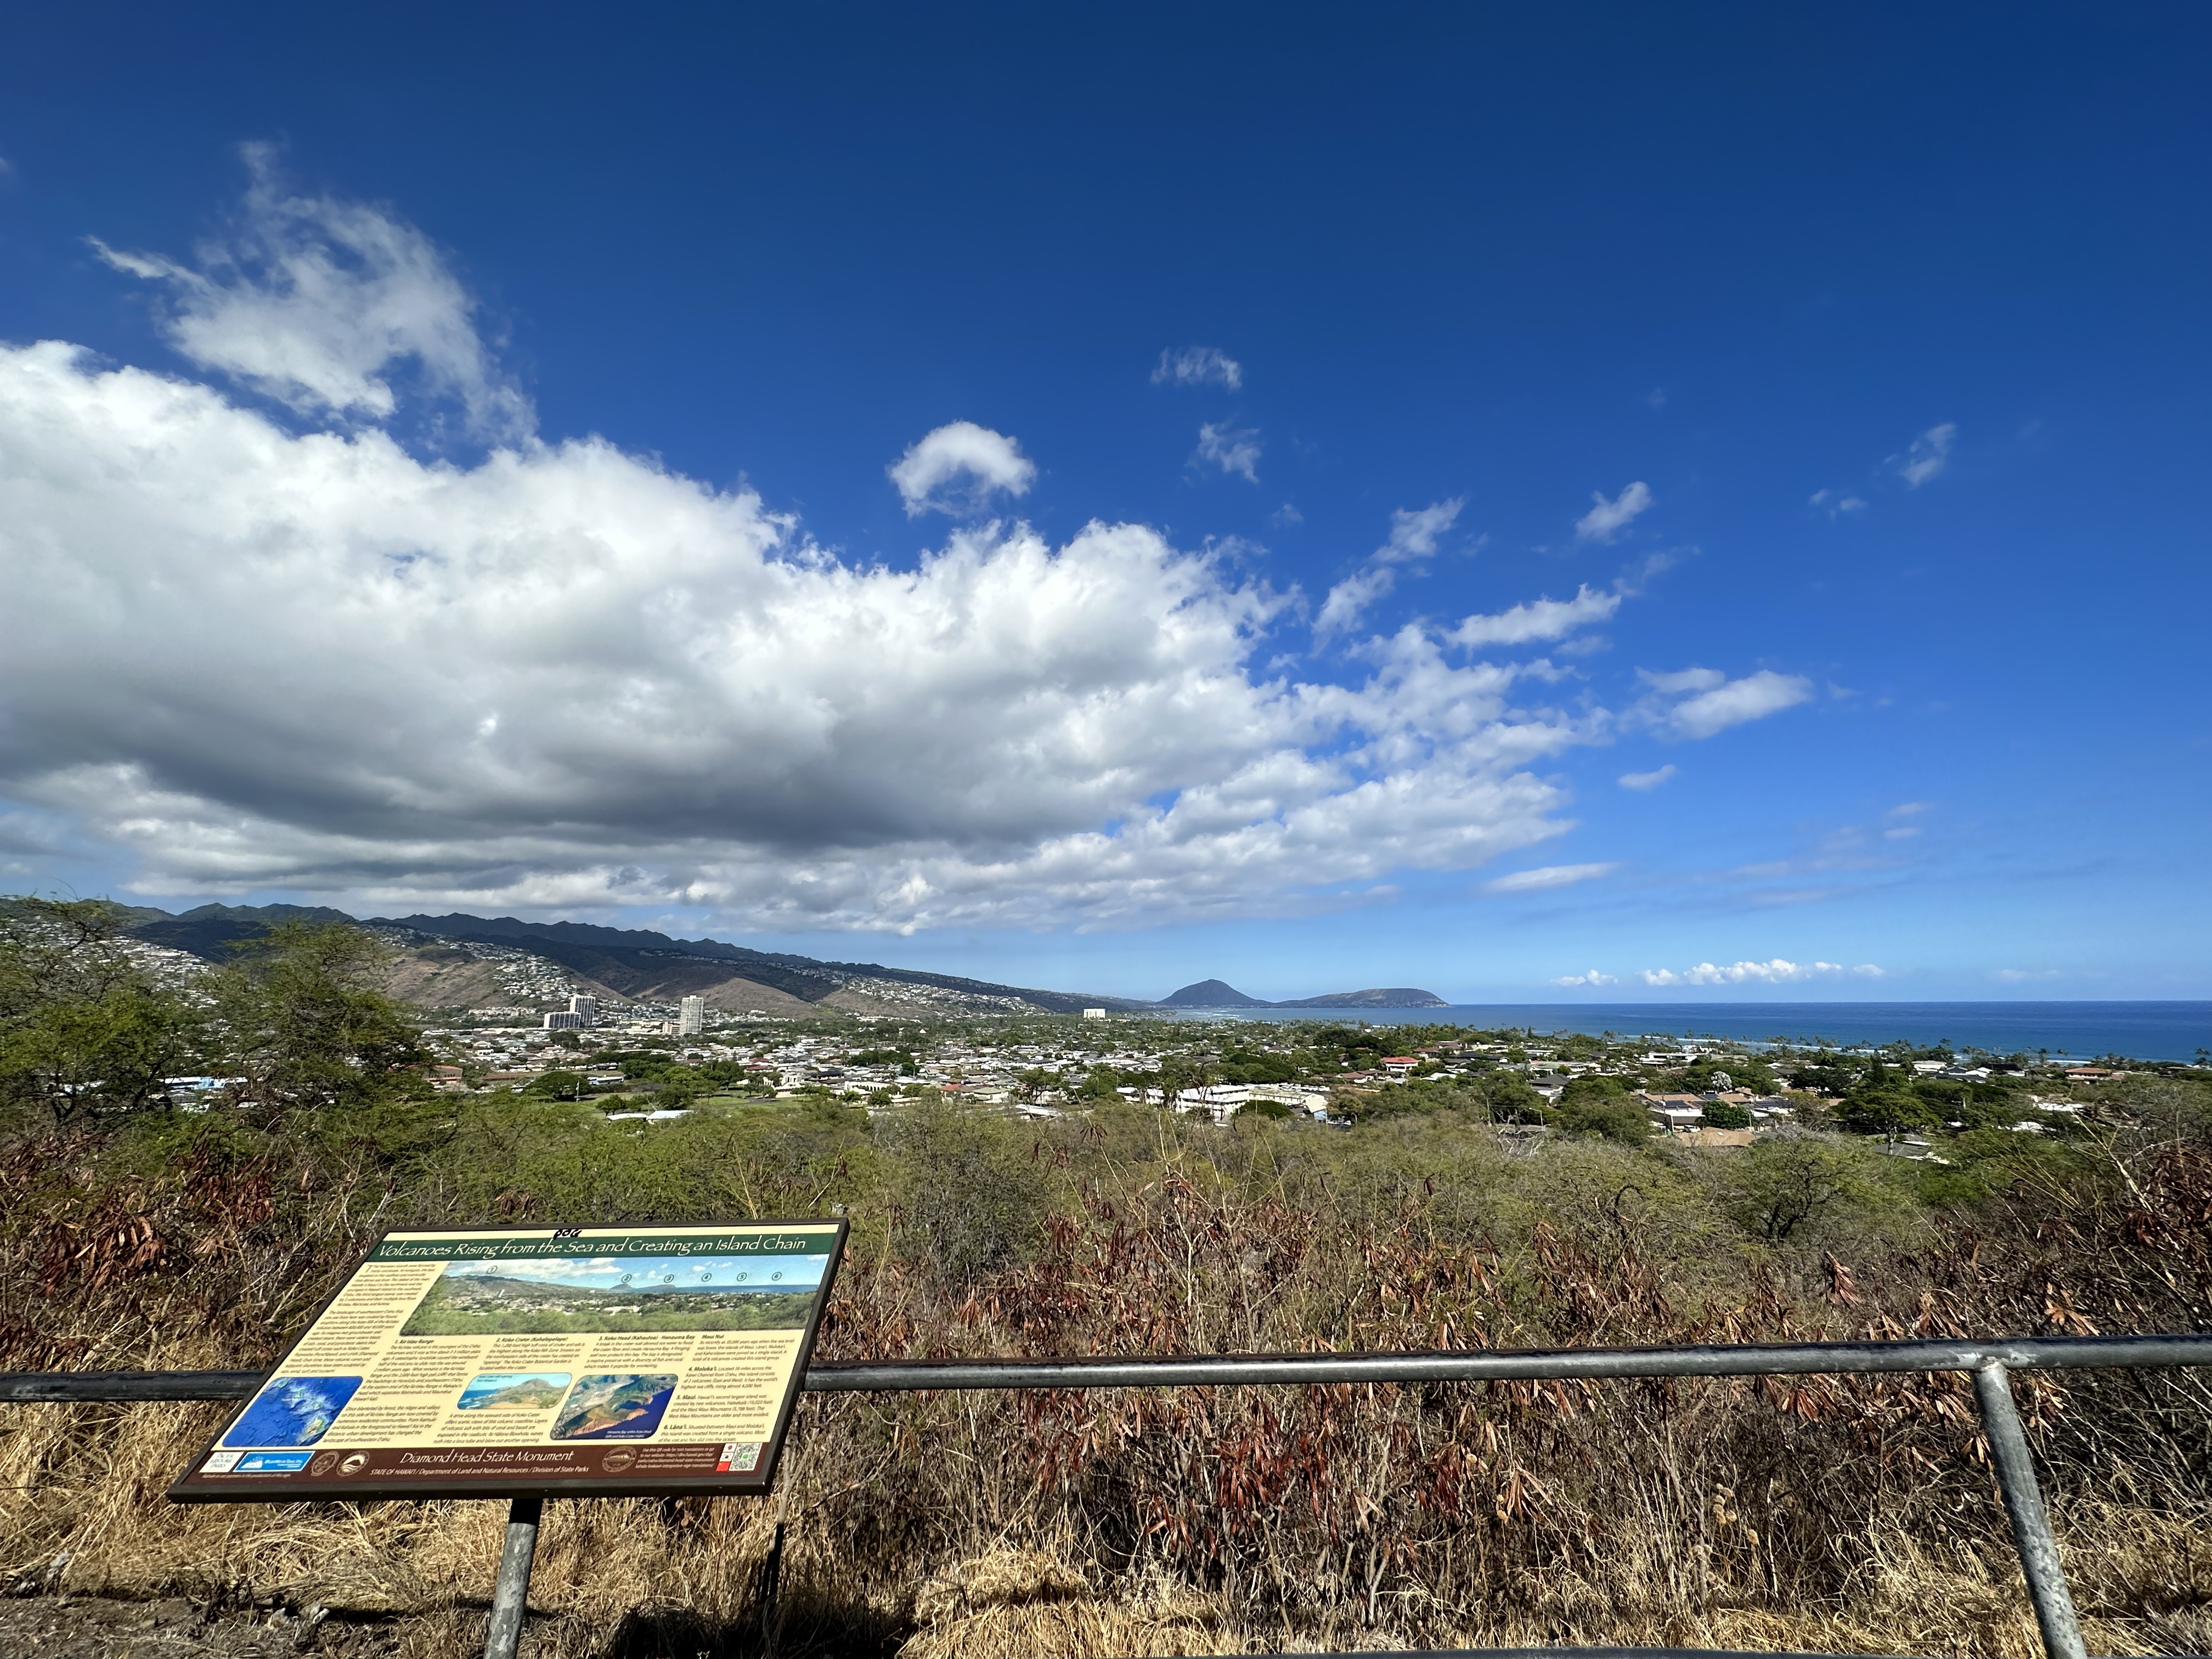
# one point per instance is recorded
(587, 1006)
(570, 1021)
(693, 1018)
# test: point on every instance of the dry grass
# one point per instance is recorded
(1845, 1514)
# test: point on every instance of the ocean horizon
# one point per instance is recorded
(2073, 1030)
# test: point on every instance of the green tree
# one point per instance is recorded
(86, 1026)
(1787, 1187)
(557, 1086)
(1602, 1106)
(1887, 1107)
(305, 1020)
(1721, 1115)
(969, 1197)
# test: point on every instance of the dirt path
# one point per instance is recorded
(95, 1627)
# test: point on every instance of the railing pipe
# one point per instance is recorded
(1227, 1370)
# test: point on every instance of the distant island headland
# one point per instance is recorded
(1216, 993)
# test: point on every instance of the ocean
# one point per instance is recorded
(2077, 1030)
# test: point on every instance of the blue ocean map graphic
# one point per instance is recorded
(293, 1411)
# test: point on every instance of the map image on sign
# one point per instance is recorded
(713, 1294)
(652, 1359)
(297, 1410)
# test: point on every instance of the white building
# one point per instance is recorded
(1094, 1013)
(568, 1022)
(692, 1020)
(587, 1007)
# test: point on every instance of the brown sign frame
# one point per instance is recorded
(631, 1467)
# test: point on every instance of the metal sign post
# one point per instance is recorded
(510, 1593)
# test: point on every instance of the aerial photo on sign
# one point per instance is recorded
(602, 1293)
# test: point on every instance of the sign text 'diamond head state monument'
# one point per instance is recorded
(517, 1362)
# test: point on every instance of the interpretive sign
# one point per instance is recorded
(546, 1361)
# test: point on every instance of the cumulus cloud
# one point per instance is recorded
(1838, 502)
(957, 468)
(1589, 981)
(1646, 779)
(1199, 365)
(1776, 972)
(314, 301)
(1696, 702)
(1607, 519)
(1538, 619)
(561, 677)
(1551, 875)
(566, 678)
(1233, 449)
(1926, 456)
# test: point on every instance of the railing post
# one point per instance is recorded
(2023, 1502)
(511, 1589)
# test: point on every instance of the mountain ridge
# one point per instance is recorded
(638, 964)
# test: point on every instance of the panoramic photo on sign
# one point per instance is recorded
(468, 1362)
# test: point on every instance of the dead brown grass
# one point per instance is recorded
(1852, 1515)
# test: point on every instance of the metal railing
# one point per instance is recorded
(1990, 1362)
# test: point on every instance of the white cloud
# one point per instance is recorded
(1199, 365)
(1349, 600)
(1927, 455)
(957, 468)
(1287, 516)
(312, 301)
(1607, 519)
(1538, 619)
(2022, 975)
(1776, 972)
(1551, 875)
(1838, 502)
(1592, 979)
(1415, 532)
(1706, 702)
(1646, 779)
(1233, 449)
(563, 679)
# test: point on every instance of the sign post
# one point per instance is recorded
(533, 1363)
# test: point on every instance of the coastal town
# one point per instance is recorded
(650, 1062)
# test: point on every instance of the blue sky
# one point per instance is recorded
(478, 486)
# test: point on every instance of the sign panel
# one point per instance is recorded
(546, 1361)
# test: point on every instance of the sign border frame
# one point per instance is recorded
(184, 1488)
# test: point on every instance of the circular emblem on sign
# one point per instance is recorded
(616, 1461)
(322, 1463)
(354, 1463)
